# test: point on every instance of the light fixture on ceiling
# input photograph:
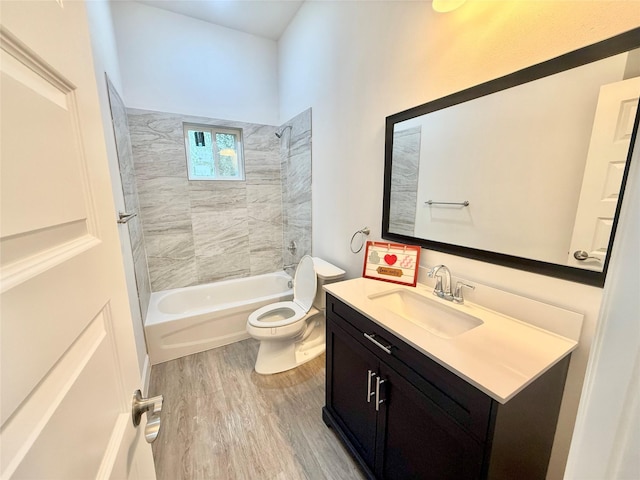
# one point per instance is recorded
(443, 6)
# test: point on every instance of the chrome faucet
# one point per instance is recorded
(439, 290)
(445, 292)
(291, 268)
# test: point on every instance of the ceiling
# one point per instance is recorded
(265, 18)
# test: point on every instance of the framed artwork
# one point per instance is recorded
(392, 262)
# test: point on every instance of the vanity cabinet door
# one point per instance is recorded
(349, 368)
(419, 439)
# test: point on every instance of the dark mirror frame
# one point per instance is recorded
(619, 44)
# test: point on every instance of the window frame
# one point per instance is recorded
(213, 130)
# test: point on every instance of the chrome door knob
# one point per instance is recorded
(152, 407)
(581, 255)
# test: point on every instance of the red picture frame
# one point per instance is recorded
(392, 262)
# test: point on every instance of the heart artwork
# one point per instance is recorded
(390, 259)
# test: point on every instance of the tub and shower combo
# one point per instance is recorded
(189, 320)
(287, 316)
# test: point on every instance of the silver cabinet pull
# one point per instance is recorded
(369, 392)
(152, 407)
(378, 400)
(124, 217)
(386, 348)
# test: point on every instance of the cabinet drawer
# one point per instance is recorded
(467, 405)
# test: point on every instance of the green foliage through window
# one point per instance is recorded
(213, 160)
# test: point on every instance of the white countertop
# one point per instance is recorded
(500, 357)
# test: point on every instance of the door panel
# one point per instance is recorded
(608, 149)
(41, 131)
(351, 363)
(44, 222)
(69, 365)
(65, 425)
(420, 440)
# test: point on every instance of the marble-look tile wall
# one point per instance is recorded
(295, 157)
(130, 191)
(404, 175)
(202, 231)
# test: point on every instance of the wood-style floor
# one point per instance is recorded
(221, 420)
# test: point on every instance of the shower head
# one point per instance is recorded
(281, 131)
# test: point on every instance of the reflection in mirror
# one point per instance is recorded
(540, 163)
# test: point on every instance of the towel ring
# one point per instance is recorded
(363, 232)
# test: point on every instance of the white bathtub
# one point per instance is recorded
(188, 320)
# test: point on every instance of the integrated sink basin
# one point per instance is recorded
(432, 315)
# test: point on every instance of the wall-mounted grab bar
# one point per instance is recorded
(462, 204)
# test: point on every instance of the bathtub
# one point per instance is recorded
(189, 320)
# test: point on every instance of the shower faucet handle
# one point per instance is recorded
(124, 217)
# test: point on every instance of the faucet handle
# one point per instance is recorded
(457, 296)
(437, 290)
(434, 270)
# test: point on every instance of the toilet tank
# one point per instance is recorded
(326, 273)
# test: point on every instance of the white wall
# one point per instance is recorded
(355, 63)
(173, 63)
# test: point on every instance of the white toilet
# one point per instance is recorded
(292, 333)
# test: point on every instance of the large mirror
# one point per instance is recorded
(525, 171)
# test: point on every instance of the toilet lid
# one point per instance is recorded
(305, 283)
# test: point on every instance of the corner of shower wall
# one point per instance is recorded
(131, 200)
(295, 160)
(406, 169)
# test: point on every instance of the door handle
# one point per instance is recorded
(124, 217)
(378, 400)
(152, 407)
(581, 255)
(369, 392)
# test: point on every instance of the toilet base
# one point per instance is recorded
(275, 356)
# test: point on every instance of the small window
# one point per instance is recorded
(213, 153)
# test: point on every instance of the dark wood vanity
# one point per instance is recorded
(404, 416)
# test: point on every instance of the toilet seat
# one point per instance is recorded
(280, 314)
(276, 315)
(286, 333)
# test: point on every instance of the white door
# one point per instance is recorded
(68, 359)
(606, 438)
(608, 149)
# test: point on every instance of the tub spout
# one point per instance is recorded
(290, 269)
